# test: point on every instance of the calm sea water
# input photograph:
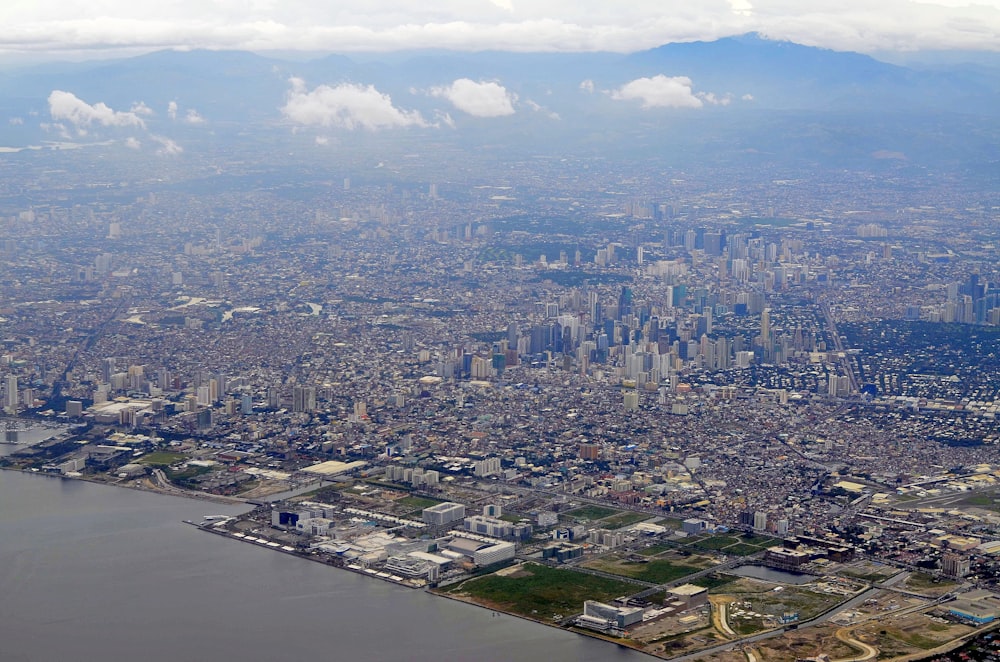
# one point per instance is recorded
(95, 572)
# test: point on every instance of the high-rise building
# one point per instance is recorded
(10, 398)
(108, 368)
(760, 521)
(954, 565)
(625, 303)
(303, 399)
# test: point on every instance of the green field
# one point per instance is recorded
(161, 458)
(714, 543)
(592, 513)
(624, 519)
(733, 544)
(987, 500)
(541, 592)
(658, 571)
(183, 477)
(713, 582)
(418, 503)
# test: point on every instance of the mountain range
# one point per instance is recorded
(740, 86)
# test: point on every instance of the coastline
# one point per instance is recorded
(591, 635)
(403, 583)
(176, 492)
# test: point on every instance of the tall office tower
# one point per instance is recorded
(203, 397)
(213, 390)
(630, 400)
(107, 369)
(624, 303)
(765, 327)
(10, 399)
(713, 243)
(303, 398)
(163, 379)
(832, 385)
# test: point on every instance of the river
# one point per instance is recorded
(97, 572)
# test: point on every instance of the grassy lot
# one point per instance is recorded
(714, 543)
(624, 519)
(733, 544)
(987, 500)
(714, 583)
(540, 592)
(184, 476)
(921, 582)
(417, 503)
(161, 458)
(592, 513)
(655, 549)
(742, 549)
(659, 571)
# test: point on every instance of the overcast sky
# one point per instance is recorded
(78, 27)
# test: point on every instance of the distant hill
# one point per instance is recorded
(753, 93)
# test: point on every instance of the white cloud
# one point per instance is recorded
(57, 127)
(712, 99)
(747, 97)
(741, 7)
(16, 121)
(172, 110)
(66, 106)
(346, 106)
(659, 92)
(133, 143)
(441, 117)
(541, 25)
(167, 146)
(194, 117)
(587, 86)
(552, 115)
(140, 108)
(482, 99)
(322, 140)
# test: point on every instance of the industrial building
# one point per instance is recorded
(443, 513)
(608, 618)
(979, 607)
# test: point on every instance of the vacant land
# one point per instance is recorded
(655, 571)
(592, 513)
(735, 544)
(623, 519)
(804, 643)
(540, 592)
(417, 503)
(926, 584)
(161, 458)
(910, 633)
